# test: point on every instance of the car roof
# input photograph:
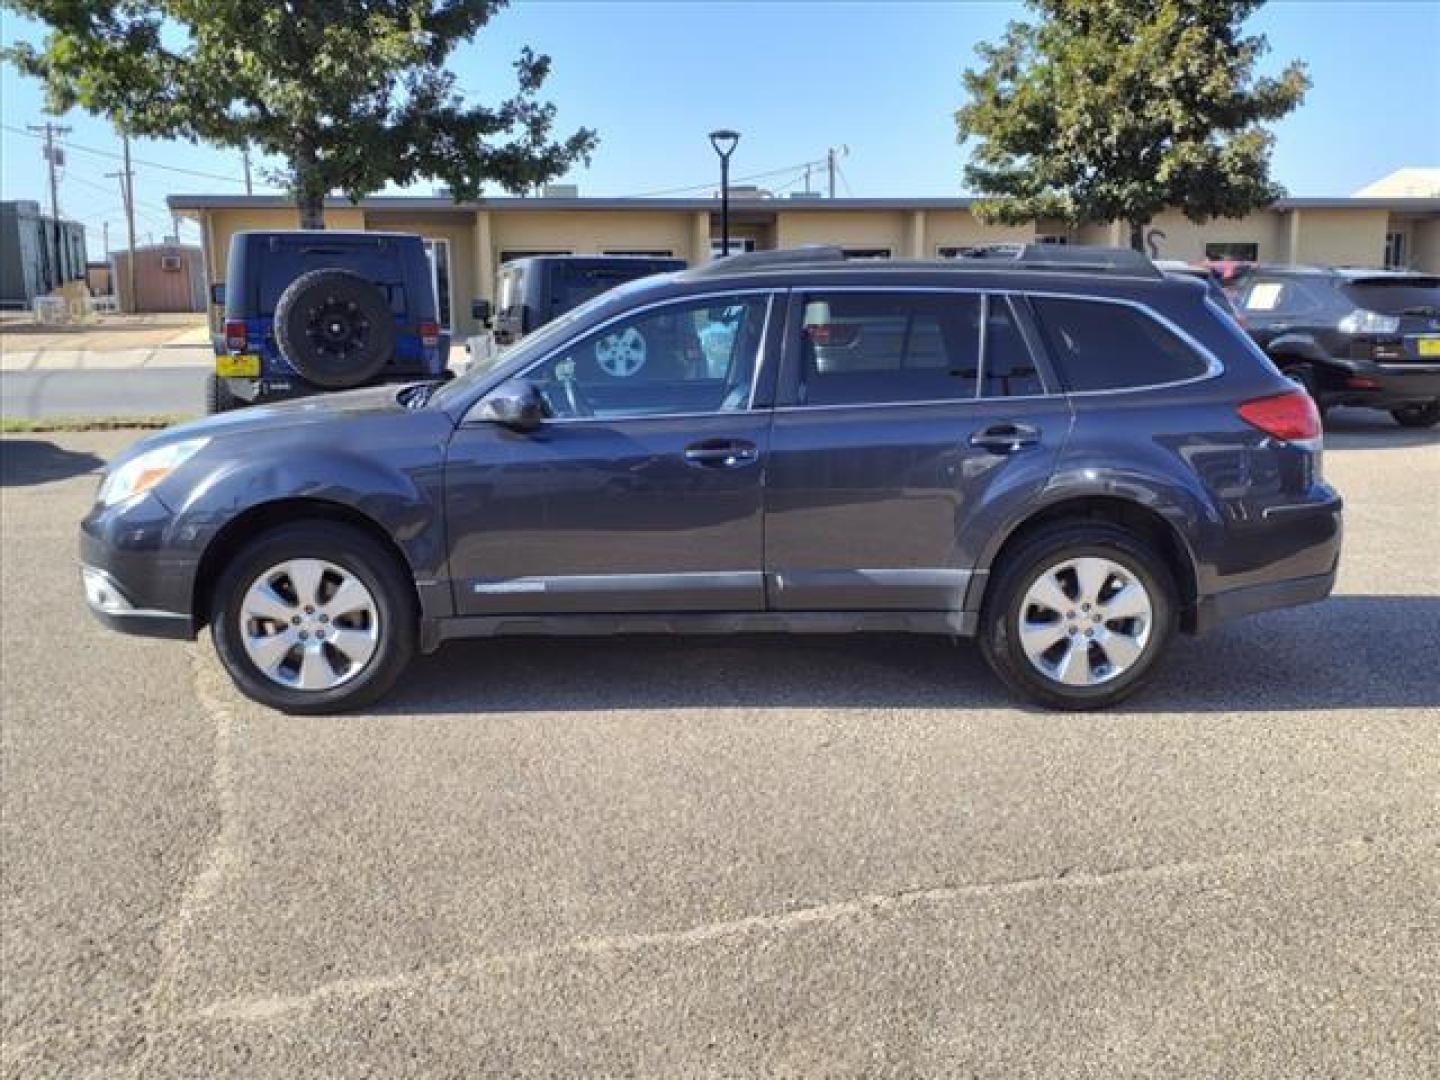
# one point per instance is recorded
(1346, 273)
(595, 260)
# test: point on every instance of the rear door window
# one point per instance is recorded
(1097, 345)
(875, 348)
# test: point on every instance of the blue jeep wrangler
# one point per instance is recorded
(309, 312)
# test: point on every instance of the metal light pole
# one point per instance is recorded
(724, 142)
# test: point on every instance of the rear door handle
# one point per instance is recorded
(722, 454)
(1005, 438)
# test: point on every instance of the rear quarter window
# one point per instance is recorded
(1396, 296)
(1104, 346)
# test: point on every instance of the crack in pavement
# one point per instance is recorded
(159, 1004)
(264, 1009)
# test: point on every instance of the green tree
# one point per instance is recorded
(1113, 110)
(350, 94)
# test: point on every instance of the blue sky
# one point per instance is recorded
(796, 78)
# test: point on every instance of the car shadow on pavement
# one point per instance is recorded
(1369, 429)
(37, 461)
(1351, 652)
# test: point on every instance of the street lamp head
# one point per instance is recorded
(724, 141)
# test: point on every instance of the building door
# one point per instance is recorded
(438, 252)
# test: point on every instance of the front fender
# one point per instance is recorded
(379, 468)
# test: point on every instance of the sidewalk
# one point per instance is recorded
(110, 343)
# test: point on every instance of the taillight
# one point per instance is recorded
(1291, 416)
(429, 334)
(235, 335)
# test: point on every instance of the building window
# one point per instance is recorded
(647, 253)
(1051, 238)
(866, 252)
(522, 253)
(1233, 252)
(438, 252)
(1395, 251)
(738, 245)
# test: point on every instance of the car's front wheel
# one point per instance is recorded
(313, 618)
(1417, 416)
(1078, 616)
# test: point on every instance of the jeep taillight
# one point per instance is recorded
(429, 334)
(1291, 417)
(235, 339)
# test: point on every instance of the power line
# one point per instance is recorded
(134, 161)
(788, 169)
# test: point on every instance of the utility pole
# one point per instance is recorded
(245, 157)
(54, 157)
(105, 232)
(127, 195)
(832, 157)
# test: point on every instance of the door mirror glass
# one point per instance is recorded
(515, 403)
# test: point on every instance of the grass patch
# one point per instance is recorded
(10, 425)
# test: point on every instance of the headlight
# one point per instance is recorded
(141, 473)
(1361, 321)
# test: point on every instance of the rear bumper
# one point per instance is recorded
(1212, 611)
(253, 391)
(1304, 539)
(1381, 386)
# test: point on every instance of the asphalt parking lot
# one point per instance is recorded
(670, 857)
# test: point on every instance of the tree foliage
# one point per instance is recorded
(351, 94)
(1105, 110)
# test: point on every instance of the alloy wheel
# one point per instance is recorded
(1085, 621)
(308, 624)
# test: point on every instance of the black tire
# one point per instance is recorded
(335, 328)
(218, 398)
(355, 552)
(1417, 416)
(1000, 616)
(1309, 381)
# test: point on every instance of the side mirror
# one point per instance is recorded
(217, 294)
(515, 404)
(480, 311)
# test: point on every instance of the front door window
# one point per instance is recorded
(689, 357)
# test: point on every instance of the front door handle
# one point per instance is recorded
(722, 454)
(1005, 438)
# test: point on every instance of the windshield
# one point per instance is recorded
(1396, 296)
(533, 346)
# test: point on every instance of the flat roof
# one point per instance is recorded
(514, 204)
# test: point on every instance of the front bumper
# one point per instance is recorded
(113, 608)
(135, 577)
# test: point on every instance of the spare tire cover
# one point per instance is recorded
(335, 328)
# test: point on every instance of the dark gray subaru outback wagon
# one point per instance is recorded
(1065, 453)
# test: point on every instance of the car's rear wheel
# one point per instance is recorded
(1417, 416)
(1309, 381)
(218, 398)
(313, 618)
(1079, 615)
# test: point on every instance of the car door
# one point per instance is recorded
(642, 491)
(908, 422)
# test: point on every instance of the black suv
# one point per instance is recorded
(307, 312)
(530, 292)
(1065, 453)
(1349, 336)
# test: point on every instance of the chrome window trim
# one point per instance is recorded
(769, 293)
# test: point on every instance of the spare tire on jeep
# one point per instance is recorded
(335, 328)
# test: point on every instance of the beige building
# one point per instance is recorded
(469, 241)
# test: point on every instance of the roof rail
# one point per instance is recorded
(1124, 262)
(769, 260)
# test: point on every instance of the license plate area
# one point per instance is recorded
(237, 367)
(1428, 346)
